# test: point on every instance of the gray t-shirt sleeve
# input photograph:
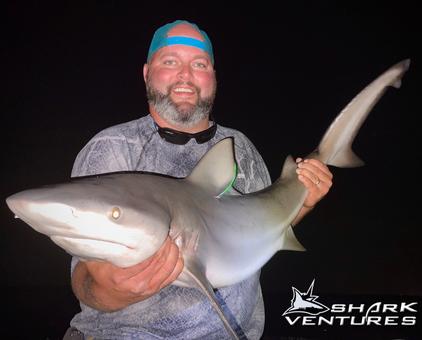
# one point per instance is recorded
(101, 155)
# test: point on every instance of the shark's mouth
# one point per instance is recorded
(88, 247)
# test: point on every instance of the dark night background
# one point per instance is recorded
(284, 73)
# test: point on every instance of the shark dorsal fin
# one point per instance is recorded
(217, 170)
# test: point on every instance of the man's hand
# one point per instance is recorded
(106, 287)
(317, 178)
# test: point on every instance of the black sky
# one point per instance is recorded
(283, 74)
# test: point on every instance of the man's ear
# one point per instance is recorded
(145, 72)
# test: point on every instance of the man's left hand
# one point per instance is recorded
(316, 177)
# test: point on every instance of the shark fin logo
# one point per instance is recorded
(305, 303)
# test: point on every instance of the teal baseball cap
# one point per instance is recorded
(161, 39)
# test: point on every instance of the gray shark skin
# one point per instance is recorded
(224, 237)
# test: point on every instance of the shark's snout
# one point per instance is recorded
(89, 229)
(17, 204)
(11, 203)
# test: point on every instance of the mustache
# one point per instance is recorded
(183, 83)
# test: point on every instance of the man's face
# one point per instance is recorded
(181, 84)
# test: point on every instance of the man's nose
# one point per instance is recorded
(184, 72)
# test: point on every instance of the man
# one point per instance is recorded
(138, 302)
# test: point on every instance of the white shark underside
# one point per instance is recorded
(225, 237)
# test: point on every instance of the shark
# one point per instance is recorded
(224, 236)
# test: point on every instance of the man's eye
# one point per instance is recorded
(199, 65)
(169, 62)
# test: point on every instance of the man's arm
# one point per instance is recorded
(317, 178)
(108, 288)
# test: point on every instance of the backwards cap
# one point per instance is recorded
(161, 39)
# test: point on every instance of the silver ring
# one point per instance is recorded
(317, 181)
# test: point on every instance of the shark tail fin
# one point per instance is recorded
(346, 159)
(405, 64)
(335, 147)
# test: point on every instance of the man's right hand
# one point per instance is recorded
(106, 287)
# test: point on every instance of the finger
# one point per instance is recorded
(307, 172)
(315, 179)
(166, 269)
(132, 271)
(307, 182)
(175, 274)
(139, 275)
(158, 261)
(154, 277)
(140, 284)
(315, 166)
(319, 165)
(313, 172)
(105, 271)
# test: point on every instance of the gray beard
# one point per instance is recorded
(186, 115)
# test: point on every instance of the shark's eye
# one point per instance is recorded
(115, 213)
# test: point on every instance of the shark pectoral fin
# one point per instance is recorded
(195, 276)
(346, 159)
(288, 241)
(217, 170)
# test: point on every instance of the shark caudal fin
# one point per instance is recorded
(335, 147)
(217, 169)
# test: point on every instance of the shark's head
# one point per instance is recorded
(95, 218)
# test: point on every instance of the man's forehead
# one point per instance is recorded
(181, 51)
(185, 30)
